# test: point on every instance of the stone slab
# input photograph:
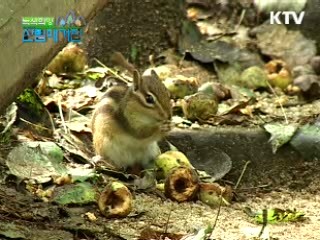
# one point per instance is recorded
(20, 63)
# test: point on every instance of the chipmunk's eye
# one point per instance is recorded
(150, 99)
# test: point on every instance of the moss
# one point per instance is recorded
(31, 101)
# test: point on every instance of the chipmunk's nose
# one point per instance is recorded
(169, 115)
(166, 114)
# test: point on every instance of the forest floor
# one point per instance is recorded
(24, 218)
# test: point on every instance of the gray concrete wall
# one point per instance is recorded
(20, 62)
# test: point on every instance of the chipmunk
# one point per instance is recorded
(130, 119)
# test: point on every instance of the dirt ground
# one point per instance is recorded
(233, 223)
(24, 217)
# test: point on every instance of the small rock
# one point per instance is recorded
(309, 85)
(315, 63)
(300, 70)
(195, 126)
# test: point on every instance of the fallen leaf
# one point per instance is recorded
(80, 193)
(36, 160)
(280, 134)
(278, 42)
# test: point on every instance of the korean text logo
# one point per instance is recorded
(41, 29)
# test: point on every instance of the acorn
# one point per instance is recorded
(216, 90)
(63, 179)
(181, 184)
(210, 194)
(115, 200)
(253, 78)
(279, 74)
(181, 86)
(199, 106)
(168, 160)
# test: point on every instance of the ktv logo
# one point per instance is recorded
(289, 17)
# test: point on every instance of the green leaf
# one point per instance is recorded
(96, 73)
(276, 215)
(80, 193)
(280, 134)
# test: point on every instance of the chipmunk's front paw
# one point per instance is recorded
(99, 161)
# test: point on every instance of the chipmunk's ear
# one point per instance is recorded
(137, 81)
(154, 75)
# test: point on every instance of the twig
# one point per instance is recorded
(241, 175)
(265, 221)
(181, 60)
(218, 213)
(51, 120)
(252, 188)
(167, 223)
(243, 12)
(111, 71)
(69, 114)
(61, 116)
(32, 124)
(281, 106)
(217, 36)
